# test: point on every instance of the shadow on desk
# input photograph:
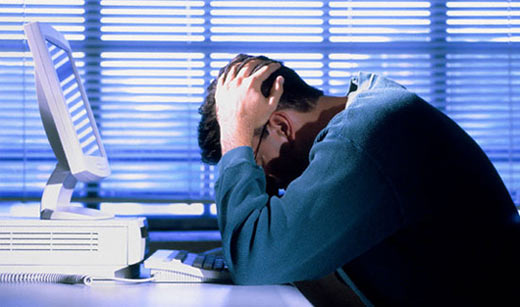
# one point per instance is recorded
(329, 291)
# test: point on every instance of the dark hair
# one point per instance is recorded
(297, 95)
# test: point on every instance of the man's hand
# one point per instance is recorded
(240, 105)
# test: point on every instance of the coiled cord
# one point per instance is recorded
(45, 278)
(64, 278)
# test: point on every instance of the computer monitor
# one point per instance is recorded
(68, 122)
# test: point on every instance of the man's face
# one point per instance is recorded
(279, 159)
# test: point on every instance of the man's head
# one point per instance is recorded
(297, 95)
(276, 149)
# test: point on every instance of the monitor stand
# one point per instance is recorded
(55, 203)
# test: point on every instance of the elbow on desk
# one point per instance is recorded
(244, 273)
(244, 278)
(248, 269)
(251, 277)
(251, 260)
(257, 269)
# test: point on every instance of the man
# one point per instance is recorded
(378, 186)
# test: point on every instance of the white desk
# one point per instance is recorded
(142, 295)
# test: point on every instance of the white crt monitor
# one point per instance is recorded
(68, 122)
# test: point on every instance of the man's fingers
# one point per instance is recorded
(247, 67)
(230, 74)
(240, 69)
(276, 92)
(263, 73)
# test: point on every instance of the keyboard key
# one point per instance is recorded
(208, 262)
(181, 256)
(219, 264)
(198, 262)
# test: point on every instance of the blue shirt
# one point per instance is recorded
(395, 194)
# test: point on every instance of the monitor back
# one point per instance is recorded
(65, 110)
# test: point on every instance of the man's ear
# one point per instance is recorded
(281, 125)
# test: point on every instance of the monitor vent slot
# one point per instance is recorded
(49, 241)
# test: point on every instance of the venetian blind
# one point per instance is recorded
(146, 65)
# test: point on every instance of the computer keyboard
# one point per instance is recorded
(184, 266)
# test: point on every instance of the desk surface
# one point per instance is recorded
(129, 295)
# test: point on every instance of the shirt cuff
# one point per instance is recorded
(242, 154)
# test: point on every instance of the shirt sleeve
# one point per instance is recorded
(340, 207)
